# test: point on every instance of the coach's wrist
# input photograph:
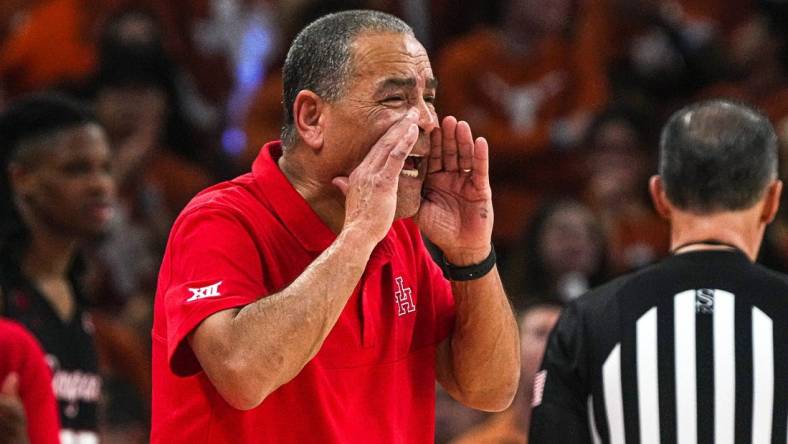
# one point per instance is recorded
(471, 272)
(357, 240)
(469, 256)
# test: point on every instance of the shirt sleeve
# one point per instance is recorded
(212, 264)
(560, 393)
(35, 389)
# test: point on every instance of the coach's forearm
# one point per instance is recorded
(479, 364)
(250, 352)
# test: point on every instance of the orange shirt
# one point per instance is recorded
(514, 100)
(52, 45)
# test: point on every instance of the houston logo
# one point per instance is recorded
(404, 298)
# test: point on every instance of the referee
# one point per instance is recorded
(695, 348)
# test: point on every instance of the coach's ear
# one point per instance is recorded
(658, 196)
(771, 201)
(308, 116)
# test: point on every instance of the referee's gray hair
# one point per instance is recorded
(320, 57)
(717, 155)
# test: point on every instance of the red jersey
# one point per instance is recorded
(373, 380)
(21, 354)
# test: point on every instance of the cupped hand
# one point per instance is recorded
(371, 189)
(456, 212)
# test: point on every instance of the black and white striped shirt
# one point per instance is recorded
(691, 350)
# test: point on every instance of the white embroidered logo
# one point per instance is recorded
(205, 292)
(404, 298)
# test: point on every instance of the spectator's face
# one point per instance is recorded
(69, 186)
(535, 327)
(124, 110)
(568, 242)
(752, 46)
(541, 16)
(616, 165)
(390, 75)
(136, 29)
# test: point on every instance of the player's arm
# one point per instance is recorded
(479, 364)
(561, 415)
(249, 352)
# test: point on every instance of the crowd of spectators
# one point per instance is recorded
(570, 94)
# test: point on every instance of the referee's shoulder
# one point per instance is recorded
(774, 277)
(599, 299)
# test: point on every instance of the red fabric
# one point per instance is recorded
(20, 353)
(374, 377)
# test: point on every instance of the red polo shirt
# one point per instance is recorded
(20, 353)
(373, 380)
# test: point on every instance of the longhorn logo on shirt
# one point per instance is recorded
(404, 298)
(205, 292)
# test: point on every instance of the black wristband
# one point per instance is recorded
(469, 272)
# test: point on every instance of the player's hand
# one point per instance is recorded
(371, 189)
(456, 212)
(13, 424)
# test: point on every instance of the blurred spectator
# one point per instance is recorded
(452, 419)
(57, 191)
(511, 426)
(759, 56)
(47, 43)
(436, 22)
(136, 101)
(27, 405)
(758, 71)
(617, 168)
(133, 61)
(529, 86)
(521, 85)
(661, 50)
(563, 254)
(263, 120)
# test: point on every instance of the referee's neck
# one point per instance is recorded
(740, 229)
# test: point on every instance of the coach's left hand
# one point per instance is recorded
(456, 211)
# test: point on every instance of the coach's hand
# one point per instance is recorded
(456, 212)
(371, 189)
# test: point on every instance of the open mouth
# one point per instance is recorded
(412, 166)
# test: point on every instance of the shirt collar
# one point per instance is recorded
(288, 205)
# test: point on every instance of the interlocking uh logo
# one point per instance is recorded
(404, 298)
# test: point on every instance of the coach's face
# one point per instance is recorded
(390, 76)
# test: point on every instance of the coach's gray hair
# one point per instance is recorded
(320, 58)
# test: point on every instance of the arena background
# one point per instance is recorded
(570, 93)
